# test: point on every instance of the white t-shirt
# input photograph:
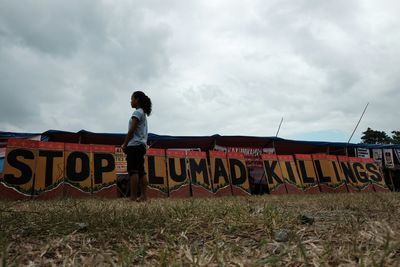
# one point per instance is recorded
(140, 134)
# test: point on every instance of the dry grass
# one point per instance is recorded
(349, 229)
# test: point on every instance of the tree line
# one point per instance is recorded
(380, 137)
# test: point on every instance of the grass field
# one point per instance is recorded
(348, 229)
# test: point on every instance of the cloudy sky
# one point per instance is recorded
(210, 67)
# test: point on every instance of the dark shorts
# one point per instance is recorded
(135, 160)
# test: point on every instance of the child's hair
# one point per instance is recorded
(144, 100)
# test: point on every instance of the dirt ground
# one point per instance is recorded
(311, 230)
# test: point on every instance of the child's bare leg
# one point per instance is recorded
(143, 187)
(134, 185)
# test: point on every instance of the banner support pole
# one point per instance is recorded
(276, 135)
(362, 115)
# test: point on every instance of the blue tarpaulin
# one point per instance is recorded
(284, 146)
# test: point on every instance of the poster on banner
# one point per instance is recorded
(362, 152)
(253, 160)
(388, 157)
(120, 161)
(377, 155)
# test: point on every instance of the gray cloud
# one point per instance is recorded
(68, 65)
(210, 67)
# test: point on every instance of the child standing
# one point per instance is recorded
(135, 144)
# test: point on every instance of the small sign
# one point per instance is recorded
(362, 152)
(388, 156)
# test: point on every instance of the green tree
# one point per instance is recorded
(395, 137)
(375, 137)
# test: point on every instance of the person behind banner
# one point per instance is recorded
(135, 144)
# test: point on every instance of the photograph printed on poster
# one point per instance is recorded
(377, 155)
(388, 156)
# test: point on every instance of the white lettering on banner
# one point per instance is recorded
(220, 148)
(388, 156)
(270, 150)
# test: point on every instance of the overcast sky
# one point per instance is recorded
(210, 67)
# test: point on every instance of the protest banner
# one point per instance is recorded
(307, 173)
(253, 161)
(361, 175)
(19, 169)
(104, 173)
(156, 169)
(49, 178)
(178, 178)
(375, 175)
(349, 176)
(290, 174)
(200, 180)
(329, 173)
(238, 173)
(78, 170)
(220, 173)
(273, 174)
